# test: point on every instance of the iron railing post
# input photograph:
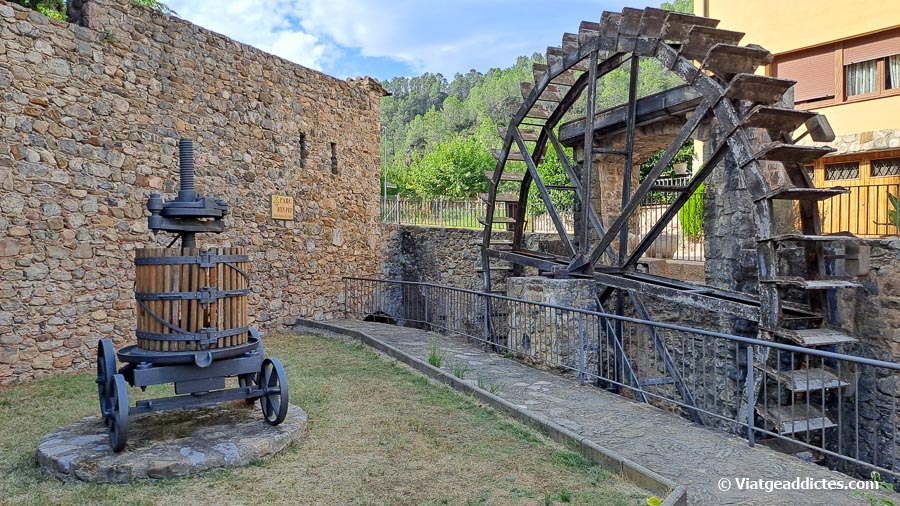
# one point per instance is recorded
(581, 349)
(427, 296)
(751, 396)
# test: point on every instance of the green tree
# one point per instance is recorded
(55, 9)
(454, 169)
(686, 6)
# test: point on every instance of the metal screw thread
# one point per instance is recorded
(186, 159)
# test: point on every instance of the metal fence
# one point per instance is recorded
(840, 408)
(460, 214)
(682, 239)
(865, 211)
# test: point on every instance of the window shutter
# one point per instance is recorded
(871, 47)
(813, 69)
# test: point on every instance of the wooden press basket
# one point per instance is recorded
(190, 300)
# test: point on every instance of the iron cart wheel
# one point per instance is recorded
(274, 400)
(106, 368)
(118, 416)
(248, 380)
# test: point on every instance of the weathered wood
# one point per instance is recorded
(566, 78)
(758, 89)
(505, 176)
(726, 60)
(609, 31)
(551, 93)
(570, 41)
(815, 337)
(811, 284)
(678, 25)
(781, 152)
(555, 54)
(652, 22)
(628, 29)
(776, 118)
(652, 108)
(820, 129)
(496, 219)
(587, 30)
(500, 197)
(190, 315)
(538, 112)
(700, 39)
(514, 156)
(643, 190)
(797, 420)
(528, 135)
(710, 301)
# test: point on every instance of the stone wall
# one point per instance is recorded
(89, 124)
(447, 256)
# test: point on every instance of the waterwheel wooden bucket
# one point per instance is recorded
(188, 300)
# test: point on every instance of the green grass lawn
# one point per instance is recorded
(379, 433)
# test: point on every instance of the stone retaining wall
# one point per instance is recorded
(89, 122)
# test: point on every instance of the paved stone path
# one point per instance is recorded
(690, 455)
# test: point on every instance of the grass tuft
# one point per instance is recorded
(460, 369)
(435, 357)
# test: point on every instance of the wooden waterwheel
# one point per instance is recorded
(754, 129)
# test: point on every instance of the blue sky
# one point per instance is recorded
(384, 39)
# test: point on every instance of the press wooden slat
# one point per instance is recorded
(139, 288)
(678, 25)
(245, 300)
(700, 39)
(214, 306)
(759, 89)
(730, 59)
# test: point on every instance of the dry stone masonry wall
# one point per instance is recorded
(89, 122)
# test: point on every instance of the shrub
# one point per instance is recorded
(691, 215)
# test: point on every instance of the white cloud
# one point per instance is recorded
(266, 25)
(444, 36)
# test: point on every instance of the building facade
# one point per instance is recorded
(846, 61)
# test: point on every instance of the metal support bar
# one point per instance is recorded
(680, 201)
(667, 358)
(629, 157)
(579, 191)
(635, 201)
(583, 233)
(545, 196)
(626, 364)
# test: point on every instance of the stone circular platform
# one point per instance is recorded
(169, 444)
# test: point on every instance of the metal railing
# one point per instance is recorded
(841, 408)
(864, 211)
(682, 239)
(460, 214)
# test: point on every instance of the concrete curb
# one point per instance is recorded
(660, 486)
